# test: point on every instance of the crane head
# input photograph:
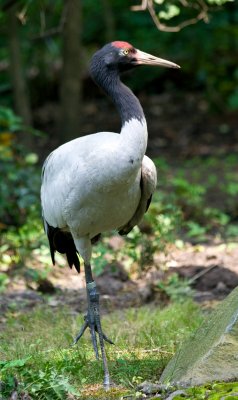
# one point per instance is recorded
(123, 56)
(134, 57)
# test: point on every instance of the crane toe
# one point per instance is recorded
(93, 326)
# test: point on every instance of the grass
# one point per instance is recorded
(36, 351)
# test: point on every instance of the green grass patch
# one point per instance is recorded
(36, 352)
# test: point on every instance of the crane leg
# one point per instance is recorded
(93, 322)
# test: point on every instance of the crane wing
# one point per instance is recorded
(59, 239)
(148, 185)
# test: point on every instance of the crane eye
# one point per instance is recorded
(125, 52)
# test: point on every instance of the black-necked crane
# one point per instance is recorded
(102, 181)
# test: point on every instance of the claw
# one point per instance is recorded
(104, 336)
(81, 332)
(107, 339)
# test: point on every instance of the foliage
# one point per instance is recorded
(42, 384)
(20, 224)
(206, 201)
(169, 9)
(44, 366)
(4, 280)
(20, 186)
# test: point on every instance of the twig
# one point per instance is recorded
(53, 31)
(148, 4)
(47, 34)
(184, 3)
(141, 7)
(145, 351)
(22, 14)
(202, 273)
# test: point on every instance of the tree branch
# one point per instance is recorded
(149, 5)
(53, 31)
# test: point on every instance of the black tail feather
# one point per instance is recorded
(63, 243)
(72, 259)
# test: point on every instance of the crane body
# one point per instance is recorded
(106, 188)
(102, 181)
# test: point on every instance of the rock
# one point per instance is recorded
(115, 270)
(211, 354)
(108, 285)
(149, 387)
(46, 286)
(54, 302)
(14, 395)
(145, 291)
(116, 243)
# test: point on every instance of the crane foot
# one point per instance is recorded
(93, 322)
(92, 327)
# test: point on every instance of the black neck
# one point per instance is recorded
(126, 102)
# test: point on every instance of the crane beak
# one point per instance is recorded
(142, 58)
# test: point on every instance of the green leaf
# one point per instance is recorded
(31, 158)
(6, 365)
(171, 12)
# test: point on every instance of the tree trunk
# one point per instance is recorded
(21, 99)
(71, 72)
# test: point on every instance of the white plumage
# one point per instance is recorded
(93, 184)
